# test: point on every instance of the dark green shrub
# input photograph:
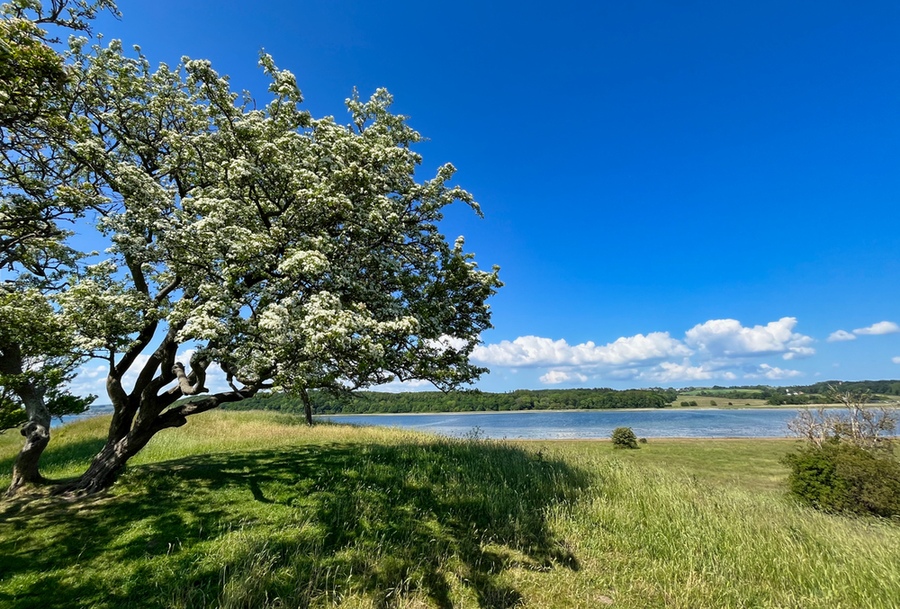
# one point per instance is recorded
(623, 437)
(843, 477)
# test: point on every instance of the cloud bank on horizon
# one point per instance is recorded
(718, 349)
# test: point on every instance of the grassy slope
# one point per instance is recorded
(253, 510)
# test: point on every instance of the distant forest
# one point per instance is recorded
(372, 402)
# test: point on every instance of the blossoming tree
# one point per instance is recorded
(279, 250)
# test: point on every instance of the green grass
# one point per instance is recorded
(704, 401)
(256, 510)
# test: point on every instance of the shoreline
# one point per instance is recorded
(570, 410)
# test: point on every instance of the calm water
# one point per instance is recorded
(547, 425)
(553, 425)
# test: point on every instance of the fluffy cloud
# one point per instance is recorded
(841, 335)
(799, 353)
(91, 380)
(538, 351)
(555, 377)
(403, 386)
(728, 338)
(896, 360)
(715, 349)
(668, 372)
(772, 373)
(882, 327)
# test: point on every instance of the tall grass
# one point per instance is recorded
(652, 537)
(256, 510)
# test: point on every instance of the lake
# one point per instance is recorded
(573, 425)
(584, 424)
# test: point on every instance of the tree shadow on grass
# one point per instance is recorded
(58, 455)
(436, 519)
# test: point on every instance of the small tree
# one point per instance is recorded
(869, 427)
(41, 190)
(623, 437)
(847, 462)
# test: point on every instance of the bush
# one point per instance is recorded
(843, 477)
(623, 437)
(847, 463)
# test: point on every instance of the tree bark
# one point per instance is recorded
(107, 465)
(307, 406)
(25, 469)
(36, 430)
(111, 460)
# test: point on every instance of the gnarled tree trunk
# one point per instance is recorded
(36, 430)
(152, 418)
(25, 469)
(107, 465)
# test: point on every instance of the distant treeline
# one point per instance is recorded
(371, 402)
(798, 394)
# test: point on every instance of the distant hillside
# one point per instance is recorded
(798, 394)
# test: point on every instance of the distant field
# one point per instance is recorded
(252, 509)
(719, 391)
(707, 402)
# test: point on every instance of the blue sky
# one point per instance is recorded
(688, 193)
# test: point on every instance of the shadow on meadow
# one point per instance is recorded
(311, 524)
(61, 452)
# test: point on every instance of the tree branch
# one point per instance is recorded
(176, 417)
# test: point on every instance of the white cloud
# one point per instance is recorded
(668, 372)
(555, 377)
(91, 379)
(772, 373)
(882, 327)
(448, 342)
(728, 338)
(841, 335)
(396, 386)
(896, 360)
(715, 349)
(538, 351)
(799, 353)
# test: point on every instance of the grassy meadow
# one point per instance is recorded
(706, 401)
(250, 509)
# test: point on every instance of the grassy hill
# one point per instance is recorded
(255, 510)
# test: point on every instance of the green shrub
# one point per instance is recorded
(844, 477)
(623, 437)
